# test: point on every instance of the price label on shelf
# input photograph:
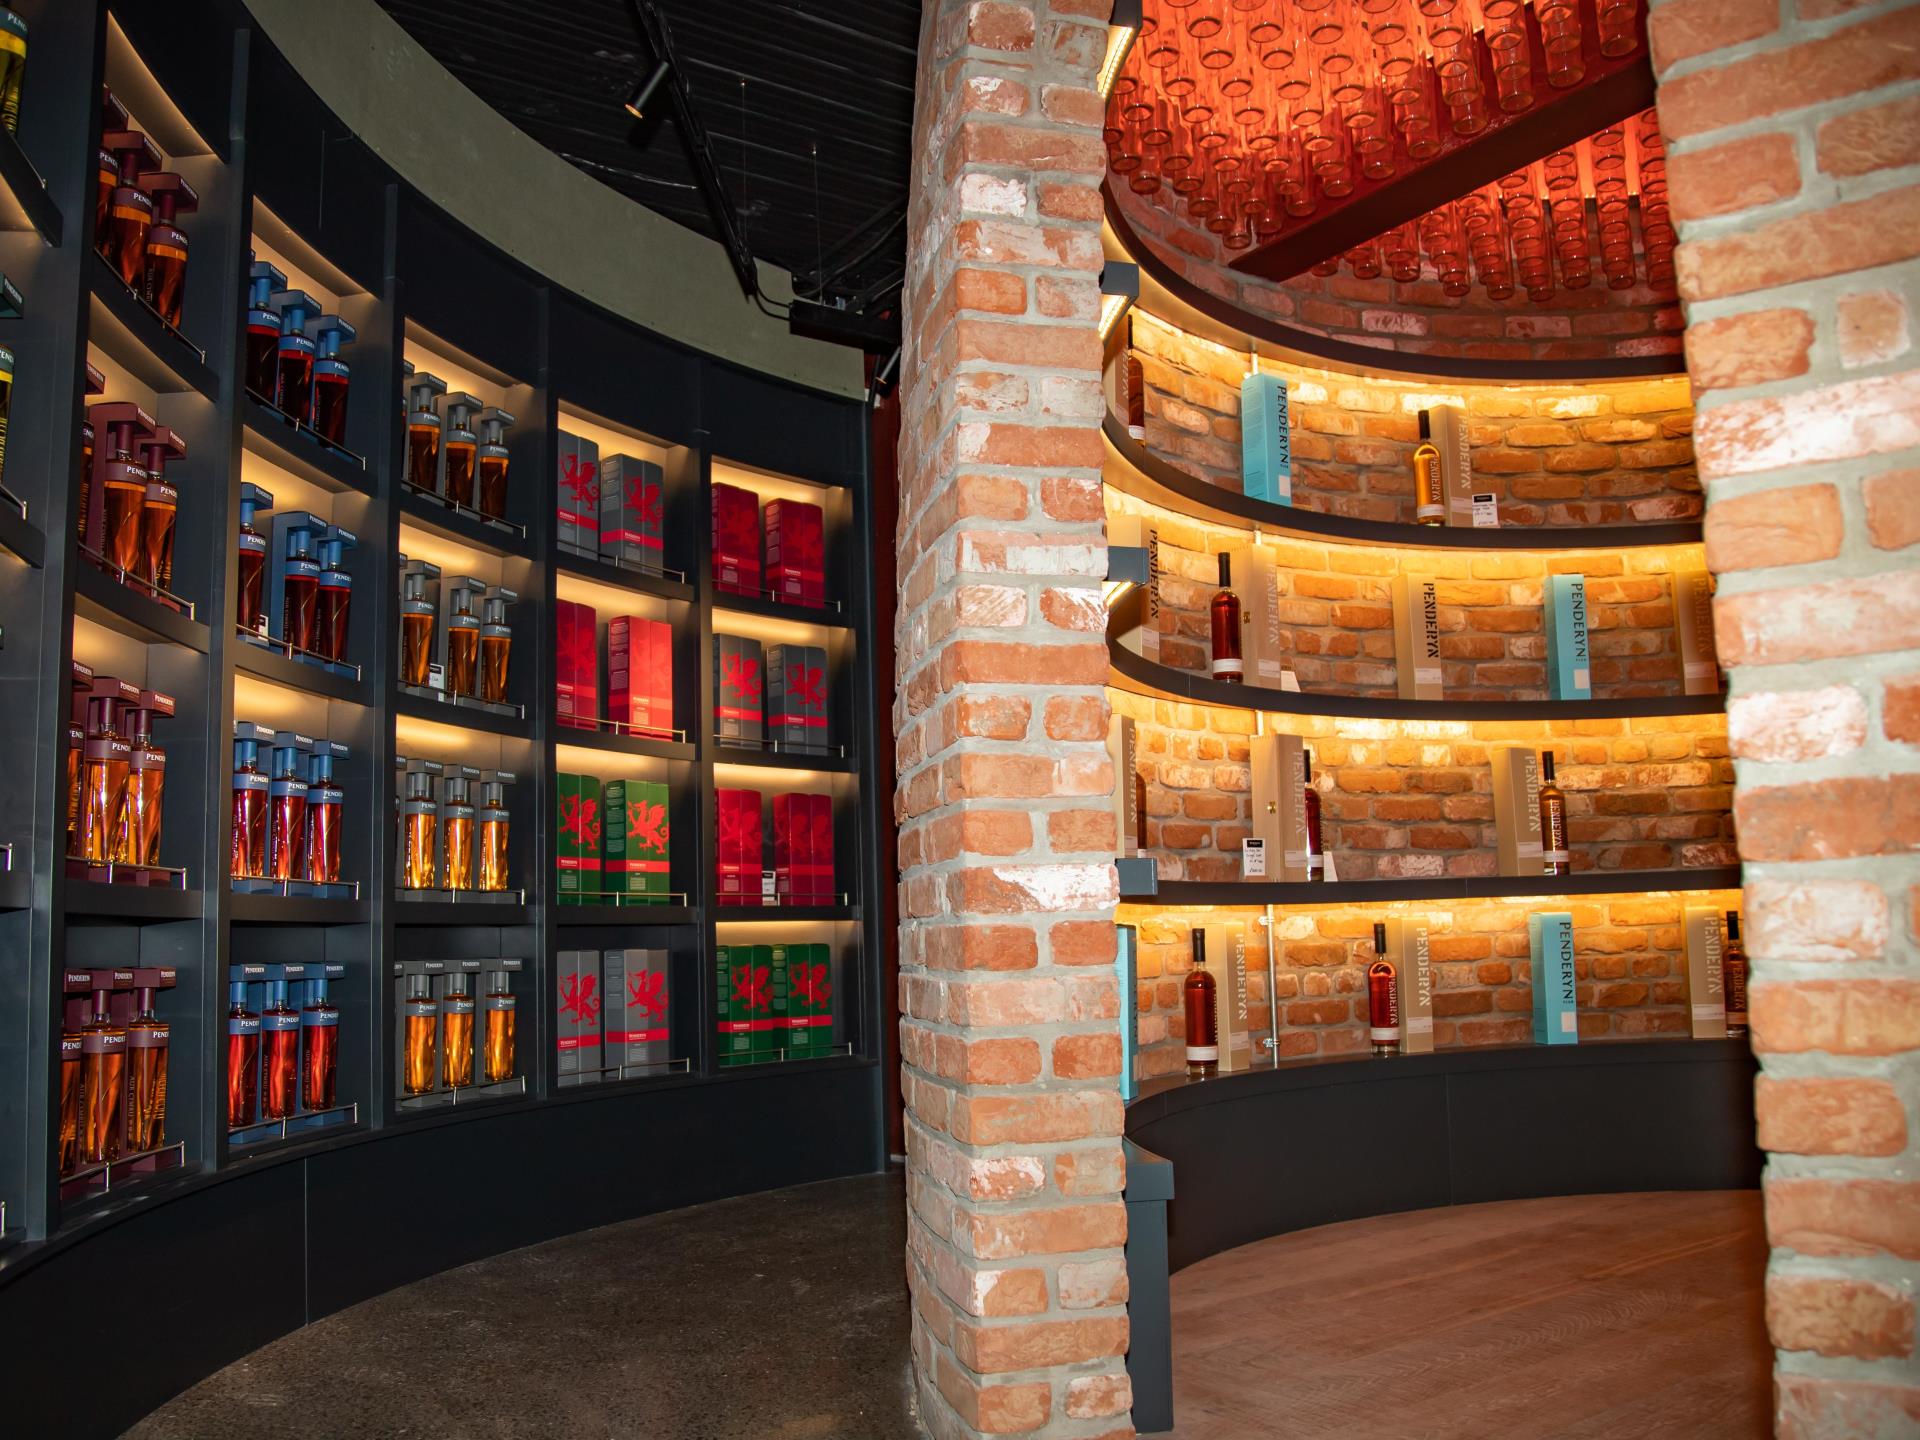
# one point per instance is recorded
(1253, 859)
(1486, 512)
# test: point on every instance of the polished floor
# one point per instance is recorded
(1592, 1316)
(780, 1316)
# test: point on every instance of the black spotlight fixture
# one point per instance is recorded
(642, 94)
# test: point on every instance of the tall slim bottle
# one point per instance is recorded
(1383, 997)
(492, 830)
(72, 1061)
(163, 280)
(130, 212)
(1429, 504)
(1310, 827)
(496, 649)
(287, 810)
(423, 432)
(325, 800)
(250, 803)
(1733, 976)
(456, 823)
(13, 67)
(250, 550)
(146, 777)
(148, 1038)
(421, 1036)
(419, 824)
(104, 837)
(243, 1058)
(263, 329)
(1136, 386)
(333, 600)
(1201, 999)
(103, 1060)
(416, 630)
(122, 489)
(1225, 613)
(331, 376)
(492, 489)
(300, 605)
(1553, 822)
(457, 1026)
(497, 1040)
(293, 355)
(463, 644)
(459, 448)
(159, 507)
(279, 1054)
(319, 1049)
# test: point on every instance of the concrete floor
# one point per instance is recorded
(780, 1316)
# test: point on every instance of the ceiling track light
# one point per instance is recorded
(1119, 288)
(1122, 27)
(642, 94)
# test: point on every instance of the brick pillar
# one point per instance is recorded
(1010, 1049)
(1795, 176)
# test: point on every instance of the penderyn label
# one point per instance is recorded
(1416, 637)
(1266, 458)
(1693, 619)
(1569, 662)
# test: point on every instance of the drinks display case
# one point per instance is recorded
(294, 695)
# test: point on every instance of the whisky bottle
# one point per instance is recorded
(1553, 822)
(130, 212)
(423, 432)
(1310, 821)
(300, 602)
(459, 449)
(333, 595)
(319, 1048)
(103, 1059)
(287, 811)
(1201, 997)
(324, 802)
(243, 1058)
(493, 462)
(416, 630)
(419, 824)
(1136, 387)
(159, 507)
(496, 649)
(457, 1023)
(279, 1054)
(263, 329)
(146, 777)
(463, 643)
(1429, 504)
(497, 1041)
(492, 829)
(104, 837)
(13, 67)
(1733, 978)
(250, 551)
(456, 822)
(163, 281)
(1383, 997)
(250, 786)
(293, 355)
(148, 1038)
(123, 487)
(1225, 614)
(331, 376)
(421, 1039)
(70, 1068)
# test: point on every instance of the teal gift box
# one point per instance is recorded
(1569, 660)
(1556, 1011)
(1266, 452)
(1127, 965)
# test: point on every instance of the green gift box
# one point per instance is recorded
(809, 999)
(751, 1002)
(577, 831)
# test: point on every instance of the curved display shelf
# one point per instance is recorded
(1174, 297)
(100, 598)
(463, 529)
(132, 902)
(27, 191)
(1148, 477)
(270, 435)
(619, 577)
(1457, 1127)
(1440, 888)
(160, 359)
(613, 743)
(614, 917)
(732, 914)
(19, 537)
(457, 912)
(280, 669)
(1143, 676)
(726, 753)
(831, 617)
(298, 910)
(461, 717)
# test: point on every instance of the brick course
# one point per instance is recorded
(1807, 448)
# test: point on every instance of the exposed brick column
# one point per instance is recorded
(1795, 176)
(1010, 1051)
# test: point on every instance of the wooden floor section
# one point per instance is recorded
(1588, 1316)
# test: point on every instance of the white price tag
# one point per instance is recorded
(766, 885)
(1582, 679)
(1486, 512)
(436, 677)
(1253, 859)
(1332, 874)
(1289, 681)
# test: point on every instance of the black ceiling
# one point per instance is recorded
(837, 76)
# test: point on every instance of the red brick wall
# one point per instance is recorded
(1590, 454)
(1010, 1052)
(1591, 324)
(1795, 176)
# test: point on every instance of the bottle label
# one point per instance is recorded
(1384, 1034)
(243, 1024)
(295, 345)
(256, 544)
(459, 1005)
(319, 1016)
(250, 780)
(1202, 1052)
(1430, 512)
(148, 1037)
(1228, 667)
(500, 1002)
(327, 369)
(1556, 857)
(102, 1042)
(276, 1021)
(421, 1009)
(70, 1047)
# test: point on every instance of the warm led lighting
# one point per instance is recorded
(1119, 288)
(641, 94)
(1112, 590)
(1112, 307)
(1119, 41)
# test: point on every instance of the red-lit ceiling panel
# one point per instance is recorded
(1303, 131)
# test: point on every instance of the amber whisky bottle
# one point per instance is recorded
(456, 1017)
(1733, 977)
(250, 552)
(325, 800)
(71, 1063)
(1310, 821)
(163, 281)
(103, 1059)
(263, 328)
(300, 606)
(419, 828)
(1429, 504)
(463, 644)
(13, 67)
(497, 1039)
(159, 507)
(459, 449)
(293, 355)
(420, 1032)
(243, 1058)
(250, 785)
(1201, 999)
(130, 211)
(123, 495)
(416, 630)
(1225, 615)
(319, 1049)
(287, 811)
(333, 596)
(1136, 388)
(104, 837)
(493, 463)
(1383, 997)
(332, 377)
(423, 432)
(456, 824)
(491, 827)
(148, 1038)
(146, 777)
(496, 649)
(279, 1054)
(1553, 822)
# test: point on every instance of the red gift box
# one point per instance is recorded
(796, 553)
(736, 540)
(785, 861)
(576, 665)
(820, 849)
(738, 850)
(640, 674)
